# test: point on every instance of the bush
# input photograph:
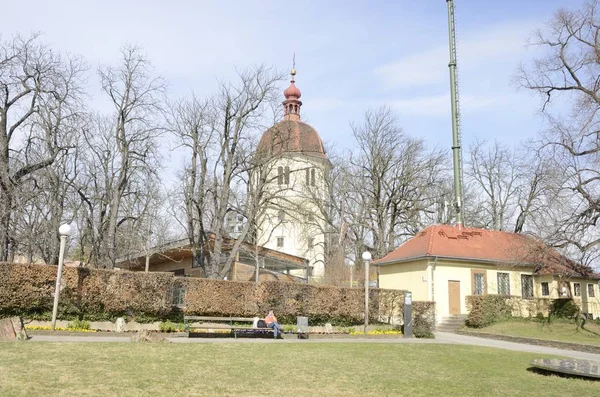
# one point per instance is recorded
(169, 326)
(79, 325)
(423, 319)
(487, 310)
(564, 308)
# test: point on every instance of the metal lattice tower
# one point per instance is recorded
(454, 99)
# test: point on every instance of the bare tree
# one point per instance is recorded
(120, 160)
(497, 173)
(39, 90)
(567, 74)
(388, 184)
(191, 121)
(217, 134)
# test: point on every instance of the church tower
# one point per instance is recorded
(297, 168)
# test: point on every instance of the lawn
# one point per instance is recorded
(557, 331)
(257, 369)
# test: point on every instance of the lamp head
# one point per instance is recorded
(64, 230)
(366, 256)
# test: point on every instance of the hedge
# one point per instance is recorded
(487, 309)
(97, 294)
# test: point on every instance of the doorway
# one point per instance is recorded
(454, 296)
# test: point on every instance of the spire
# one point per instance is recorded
(292, 103)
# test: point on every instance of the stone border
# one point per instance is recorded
(532, 341)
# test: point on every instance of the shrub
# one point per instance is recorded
(169, 326)
(487, 310)
(564, 308)
(423, 319)
(79, 325)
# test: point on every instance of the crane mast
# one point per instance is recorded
(456, 142)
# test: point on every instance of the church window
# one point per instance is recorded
(311, 242)
(281, 215)
(310, 177)
(280, 175)
(279, 242)
(287, 175)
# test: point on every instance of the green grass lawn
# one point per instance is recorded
(332, 369)
(558, 331)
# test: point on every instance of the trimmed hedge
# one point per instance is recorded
(487, 310)
(97, 294)
(423, 319)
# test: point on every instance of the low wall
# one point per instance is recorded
(97, 294)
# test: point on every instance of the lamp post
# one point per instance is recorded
(366, 257)
(64, 231)
(351, 267)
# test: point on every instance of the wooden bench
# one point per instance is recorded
(234, 330)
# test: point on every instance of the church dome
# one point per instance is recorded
(291, 136)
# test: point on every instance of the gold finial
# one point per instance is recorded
(293, 71)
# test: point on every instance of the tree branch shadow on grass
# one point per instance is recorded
(545, 372)
(591, 332)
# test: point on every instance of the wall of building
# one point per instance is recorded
(301, 221)
(410, 276)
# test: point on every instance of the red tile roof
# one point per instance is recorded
(481, 245)
(291, 136)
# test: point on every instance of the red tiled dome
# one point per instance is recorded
(291, 136)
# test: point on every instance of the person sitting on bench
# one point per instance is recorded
(271, 322)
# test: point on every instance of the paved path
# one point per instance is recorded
(475, 341)
(441, 338)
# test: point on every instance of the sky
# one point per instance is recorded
(350, 55)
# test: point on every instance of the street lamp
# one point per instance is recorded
(64, 231)
(351, 265)
(366, 257)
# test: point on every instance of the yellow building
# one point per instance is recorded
(446, 264)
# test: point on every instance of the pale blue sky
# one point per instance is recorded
(350, 55)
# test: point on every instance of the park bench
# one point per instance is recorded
(233, 327)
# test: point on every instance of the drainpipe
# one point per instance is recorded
(433, 286)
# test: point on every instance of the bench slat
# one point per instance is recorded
(203, 318)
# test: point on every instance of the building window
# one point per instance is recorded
(279, 242)
(310, 217)
(565, 290)
(576, 289)
(591, 293)
(311, 242)
(310, 177)
(281, 215)
(280, 175)
(478, 283)
(526, 286)
(503, 284)
(545, 289)
(287, 175)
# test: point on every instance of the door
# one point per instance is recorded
(454, 296)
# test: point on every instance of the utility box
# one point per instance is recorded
(302, 327)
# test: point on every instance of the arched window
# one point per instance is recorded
(280, 175)
(287, 175)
